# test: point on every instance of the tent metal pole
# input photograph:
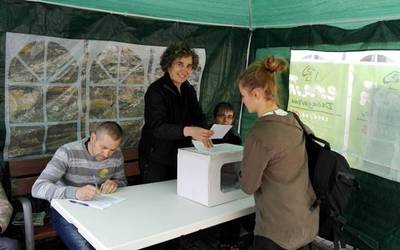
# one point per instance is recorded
(250, 6)
(247, 64)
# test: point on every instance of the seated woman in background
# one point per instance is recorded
(275, 166)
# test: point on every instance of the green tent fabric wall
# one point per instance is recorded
(226, 50)
(373, 213)
(251, 13)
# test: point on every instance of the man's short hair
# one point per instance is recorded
(222, 107)
(111, 129)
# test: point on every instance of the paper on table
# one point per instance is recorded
(219, 130)
(100, 202)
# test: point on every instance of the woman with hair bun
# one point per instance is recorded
(275, 165)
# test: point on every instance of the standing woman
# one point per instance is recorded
(172, 115)
(275, 165)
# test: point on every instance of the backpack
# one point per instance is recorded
(333, 183)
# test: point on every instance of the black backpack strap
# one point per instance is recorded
(319, 177)
(338, 236)
(311, 135)
(349, 180)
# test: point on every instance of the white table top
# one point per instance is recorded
(152, 213)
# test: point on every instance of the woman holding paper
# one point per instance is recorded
(274, 166)
(172, 115)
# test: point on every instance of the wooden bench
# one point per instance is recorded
(23, 174)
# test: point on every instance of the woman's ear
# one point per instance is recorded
(257, 93)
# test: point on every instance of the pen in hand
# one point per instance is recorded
(95, 182)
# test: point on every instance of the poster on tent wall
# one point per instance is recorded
(351, 99)
(57, 90)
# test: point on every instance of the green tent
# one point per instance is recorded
(232, 33)
(247, 14)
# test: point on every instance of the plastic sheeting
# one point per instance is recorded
(352, 100)
(57, 89)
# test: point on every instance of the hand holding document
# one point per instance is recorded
(219, 130)
(200, 146)
(197, 133)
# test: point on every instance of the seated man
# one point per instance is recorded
(224, 114)
(5, 215)
(76, 170)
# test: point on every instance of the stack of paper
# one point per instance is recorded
(100, 202)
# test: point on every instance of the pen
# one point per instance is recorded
(80, 203)
(95, 181)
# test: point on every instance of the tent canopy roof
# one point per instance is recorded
(248, 14)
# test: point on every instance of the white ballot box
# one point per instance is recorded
(210, 177)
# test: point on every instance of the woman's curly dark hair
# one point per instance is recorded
(178, 50)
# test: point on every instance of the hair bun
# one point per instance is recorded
(275, 64)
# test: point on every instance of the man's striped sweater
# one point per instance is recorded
(72, 167)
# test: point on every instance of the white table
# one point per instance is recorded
(152, 213)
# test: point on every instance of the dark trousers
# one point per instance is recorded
(151, 171)
(230, 231)
(8, 244)
(174, 244)
(263, 243)
(68, 233)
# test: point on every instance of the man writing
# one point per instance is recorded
(81, 170)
